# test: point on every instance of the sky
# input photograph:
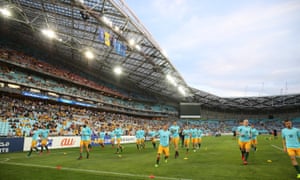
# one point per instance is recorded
(232, 48)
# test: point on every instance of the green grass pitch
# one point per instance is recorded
(218, 158)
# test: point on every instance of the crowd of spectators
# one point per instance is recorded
(16, 75)
(20, 114)
(44, 67)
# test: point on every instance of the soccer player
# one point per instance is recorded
(199, 135)
(44, 136)
(275, 134)
(164, 136)
(187, 136)
(142, 136)
(35, 137)
(234, 128)
(101, 137)
(194, 136)
(152, 133)
(138, 136)
(119, 132)
(181, 136)
(112, 138)
(254, 134)
(244, 133)
(174, 129)
(236, 133)
(86, 133)
(290, 141)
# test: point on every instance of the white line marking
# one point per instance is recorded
(90, 171)
(5, 160)
(281, 149)
(277, 147)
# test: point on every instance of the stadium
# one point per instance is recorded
(67, 62)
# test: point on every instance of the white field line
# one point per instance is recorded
(277, 147)
(5, 161)
(281, 149)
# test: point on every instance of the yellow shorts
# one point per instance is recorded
(164, 150)
(194, 140)
(175, 140)
(254, 141)
(293, 151)
(138, 141)
(187, 142)
(245, 145)
(44, 142)
(112, 141)
(199, 140)
(153, 140)
(33, 143)
(101, 141)
(85, 143)
(118, 140)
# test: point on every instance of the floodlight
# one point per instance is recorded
(181, 90)
(117, 28)
(5, 12)
(107, 21)
(88, 54)
(118, 70)
(131, 42)
(49, 33)
(138, 47)
(80, 1)
(171, 79)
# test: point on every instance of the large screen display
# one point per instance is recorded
(189, 110)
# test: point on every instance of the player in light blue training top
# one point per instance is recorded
(174, 129)
(152, 133)
(44, 137)
(199, 134)
(35, 137)
(194, 136)
(290, 141)
(112, 135)
(164, 136)
(142, 137)
(85, 141)
(119, 132)
(254, 134)
(244, 133)
(138, 136)
(101, 134)
(187, 137)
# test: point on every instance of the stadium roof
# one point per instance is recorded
(110, 30)
(78, 26)
(262, 103)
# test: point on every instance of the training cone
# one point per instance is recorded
(58, 167)
(151, 176)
